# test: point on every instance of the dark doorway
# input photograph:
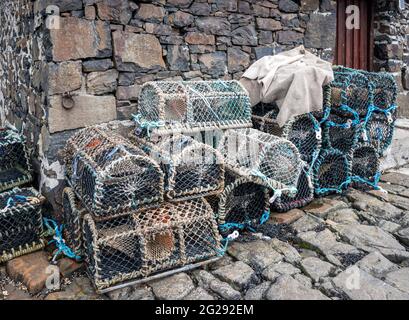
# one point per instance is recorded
(354, 47)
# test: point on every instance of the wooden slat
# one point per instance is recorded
(348, 43)
(340, 54)
(364, 41)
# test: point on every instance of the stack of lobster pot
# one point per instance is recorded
(215, 113)
(305, 132)
(357, 132)
(135, 211)
(21, 225)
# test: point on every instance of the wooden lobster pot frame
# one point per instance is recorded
(192, 169)
(304, 131)
(110, 175)
(243, 203)
(149, 242)
(251, 153)
(73, 213)
(168, 107)
(21, 225)
(304, 195)
(15, 168)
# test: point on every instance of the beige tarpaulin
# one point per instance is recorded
(293, 79)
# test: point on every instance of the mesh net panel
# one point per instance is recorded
(191, 168)
(304, 195)
(340, 133)
(15, 169)
(242, 203)
(251, 153)
(150, 241)
(365, 166)
(303, 131)
(379, 130)
(20, 223)
(331, 172)
(383, 86)
(72, 216)
(352, 90)
(166, 106)
(110, 175)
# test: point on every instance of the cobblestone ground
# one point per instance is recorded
(354, 246)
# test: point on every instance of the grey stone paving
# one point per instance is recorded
(354, 246)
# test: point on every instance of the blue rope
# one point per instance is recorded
(373, 183)
(148, 125)
(11, 200)
(340, 188)
(59, 240)
(264, 218)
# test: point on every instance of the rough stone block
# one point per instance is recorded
(97, 65)
(245, 36)
(237, 60)
(31, 270)
(151, 13)
(172, 288)
(268, 24)
(116, 11)
(99, 83)
(79, 39)
(128, 92)
(321, 31)
(133, 52)
(310, 5)
(287, 217)
(87, 110)
(213, 63)
(63, 77)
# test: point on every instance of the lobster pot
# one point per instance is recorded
(149, 242)
(253, 154)
(332, 172)
(351, 91)
(322, 115)
(304, 195)
(242, 203)
(365, 166)
(192, 169)
(110, 175)
(341, 133)
(378, 131)
(182, 107)
(15, 169)
(383, 85)
(72, 215)
(20, 223)
(304, 131)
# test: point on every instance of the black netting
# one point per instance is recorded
(20, 223)
(72, 217)
(15, 169)
(304, 195)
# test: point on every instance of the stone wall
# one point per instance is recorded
(392, 47)
(106, 49)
